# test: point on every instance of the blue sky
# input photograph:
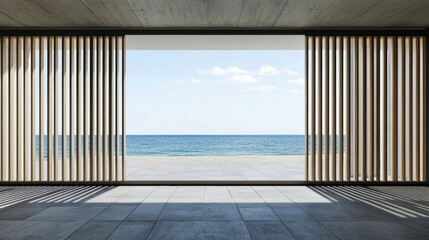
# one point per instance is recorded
(215, 92)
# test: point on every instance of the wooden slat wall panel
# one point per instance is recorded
(81, 114)
(379, 106)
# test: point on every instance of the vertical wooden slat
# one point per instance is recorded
(79, 110)
(356, 109)
(424, 110)
(306, 109)
(12, 105)
(384, 104)
(100, 161)
(33, 108)
(19, 109)
(417, 110)
(394, 109)
(313, 108)
(117, 61)
(363, 137)
(403, 113)
(64, 109)
(410, 108)
(319, 108)
(85, 109)
(106, 107)
(124, 137)
(341, 108)
(2, 99)
(91, 110)
(111, 105)
(56, 89)
(4, 108)
(377, 112)
(49, 116)
(371, 110)
(72, 80)
(348, 110)
(334, 109)
(326, 93)
(27, 110)
(41, 108)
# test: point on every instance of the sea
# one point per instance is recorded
(214, 145)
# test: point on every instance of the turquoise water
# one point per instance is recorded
(214, 145)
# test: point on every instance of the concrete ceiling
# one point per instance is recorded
(213, 13)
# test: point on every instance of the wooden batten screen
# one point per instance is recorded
(62, 108)
(365, 108)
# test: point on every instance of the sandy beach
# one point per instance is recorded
(211, 159)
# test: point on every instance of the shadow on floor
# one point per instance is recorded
(203, 212)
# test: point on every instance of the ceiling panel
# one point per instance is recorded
(214, 13)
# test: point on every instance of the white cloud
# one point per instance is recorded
(291, 91)
(196, 81)
(263, 88)
(218, 71)
(267, 70)
(180, 81)
(290, 72)
(241, 79)
(297, 81)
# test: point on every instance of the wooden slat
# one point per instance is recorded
(27, 109)
(111, 109)
(117, 62)
(4, 109)
(106, 107)
(377, 110)
(384, 104)
(124, 137)
(49, 103)
(319, 108)
(64, 109)
(313, 108)
(100, 161)
(85, 108)
(348, 110)
(306, 51)
(417, 112)
(72, 80)
(56, 99)
(12, 105)
(424, 110)
(363, 128)
(371, 110)
(402, 123)
(410, 109)
(334, 109)
(79, 110)
(91, 111)
(394, 109)
(341, 109)
(20, 109)
(356, 109)
(326, 94)
(33, 108)
(42, 41)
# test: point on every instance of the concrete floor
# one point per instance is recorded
(214, 212)
(249, 169)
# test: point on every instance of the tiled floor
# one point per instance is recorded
(214, 212)
(251, 169)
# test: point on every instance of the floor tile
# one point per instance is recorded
(94, 231)
(268, 230)
(132, 230)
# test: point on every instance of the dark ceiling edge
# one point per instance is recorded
(214, 31)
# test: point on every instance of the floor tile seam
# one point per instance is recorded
(316, 220)
(157, 218)
(293, 235)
